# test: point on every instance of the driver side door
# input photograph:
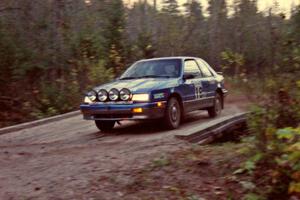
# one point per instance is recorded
(192, 85)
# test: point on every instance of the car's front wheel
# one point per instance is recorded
(105, 126)
(216, 110)
(172, 114)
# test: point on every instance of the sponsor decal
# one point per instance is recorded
(159, 96)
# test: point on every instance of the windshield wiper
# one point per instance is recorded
(146, 76)
(128, 78)
(154, 76)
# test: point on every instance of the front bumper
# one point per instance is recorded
(117, 112)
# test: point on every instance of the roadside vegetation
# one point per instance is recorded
(195, 173)
(274, 121)
(274, 160)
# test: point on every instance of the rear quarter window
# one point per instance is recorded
(204, 68)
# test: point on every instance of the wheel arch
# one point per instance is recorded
(219, 91)
(179, 98)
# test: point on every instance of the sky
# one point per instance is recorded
(263, 5)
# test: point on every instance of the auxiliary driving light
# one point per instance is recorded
(113, 94)
(92, 96)
(102, 95)
(125, 94)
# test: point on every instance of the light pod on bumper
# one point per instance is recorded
(113, 94)
(125, 94)
(102, 95)
(92, 95)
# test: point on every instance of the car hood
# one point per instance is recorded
(140, 85)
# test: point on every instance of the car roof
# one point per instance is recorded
(173, 57)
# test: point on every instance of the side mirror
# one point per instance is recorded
(188, 76)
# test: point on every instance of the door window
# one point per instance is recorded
(191, 67)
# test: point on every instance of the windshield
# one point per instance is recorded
(169, 68)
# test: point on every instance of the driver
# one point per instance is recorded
(170, 70)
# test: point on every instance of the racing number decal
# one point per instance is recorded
(198, 90)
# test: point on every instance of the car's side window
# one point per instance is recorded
(191, 67)
(205, 70)
(209, 67)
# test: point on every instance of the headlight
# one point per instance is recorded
(92, 96)
(102, 95)
(140, 97)
(125, 94)
(113, 94)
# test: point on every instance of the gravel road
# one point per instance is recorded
(71, 159)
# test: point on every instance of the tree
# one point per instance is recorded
(145, 45)
(169, 31)
(217, 22)
(194, 30)
(141, 30)
(245, 24)
(170, 7)
(194, 11)
(295, 22)
(114, 34)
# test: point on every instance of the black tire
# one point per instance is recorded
(217, 108)
(105, 126)
(173, 114)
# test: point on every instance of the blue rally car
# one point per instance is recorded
(165, 88)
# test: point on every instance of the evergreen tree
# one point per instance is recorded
(295, 21)
(145, 45)
(141, 30)
(169, 29)
(245, 23)
(114, 35)
(217, 22)
(292, 47)
(195, 30)
(194, 11)
(170, 7)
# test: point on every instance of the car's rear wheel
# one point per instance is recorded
(173, 114)
(105, 126)
(216, 110)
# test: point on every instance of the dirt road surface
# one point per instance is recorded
(71, 159)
